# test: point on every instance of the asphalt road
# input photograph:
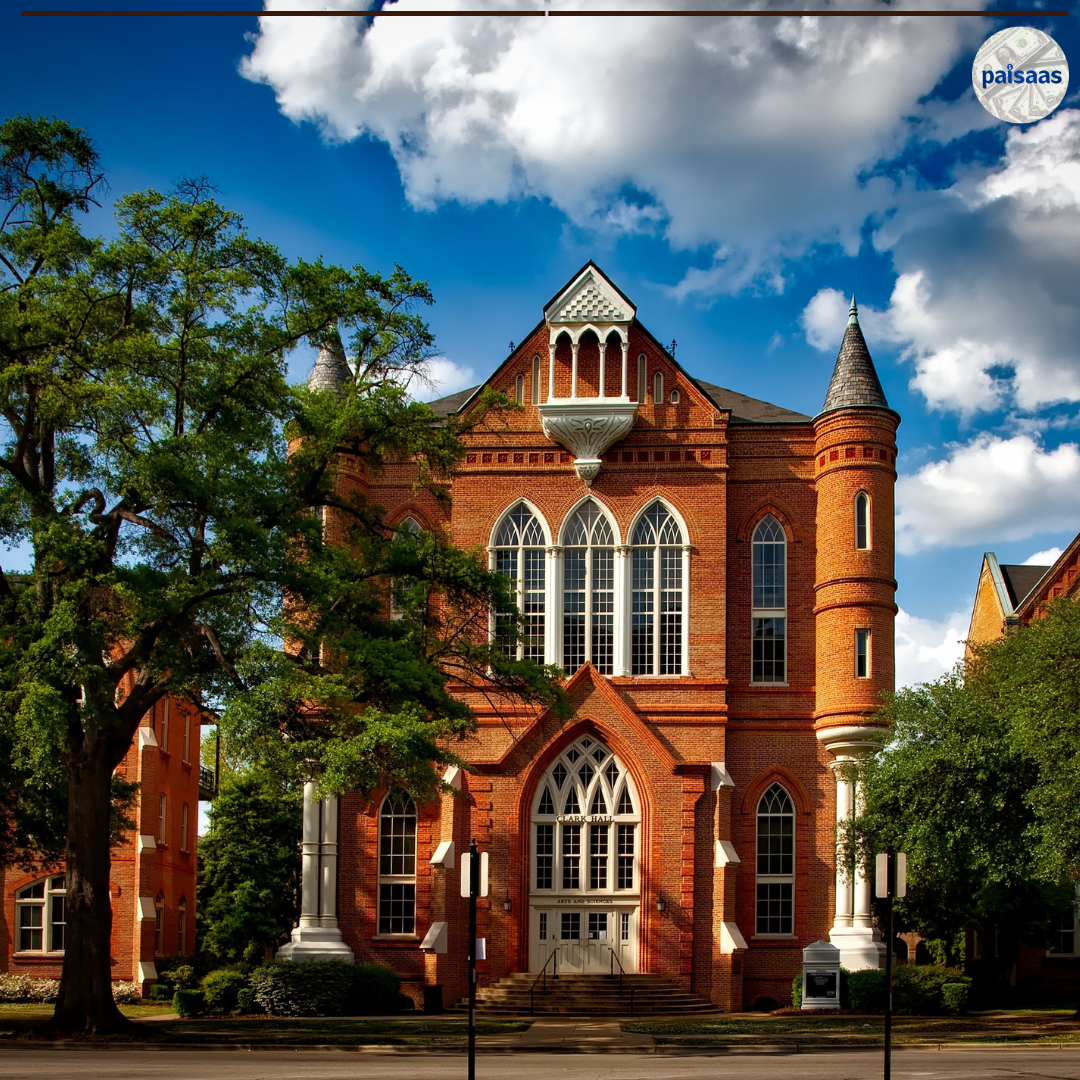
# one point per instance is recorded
(989, 1064)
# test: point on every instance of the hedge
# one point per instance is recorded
(325, 988)
(45, 991)
(220, 988)
(189, 1002)
(918, 989)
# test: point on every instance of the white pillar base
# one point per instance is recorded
(859, 947)
(315, 943)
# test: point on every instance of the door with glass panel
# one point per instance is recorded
(585, 862)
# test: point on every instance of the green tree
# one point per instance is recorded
(249, 866)
(176, 544)
(978, 785)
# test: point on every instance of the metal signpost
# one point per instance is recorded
(474, 883)
(890, 882)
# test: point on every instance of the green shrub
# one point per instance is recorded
(161, 992)
(920, 989)
(221, 987)
(245, 1000)
(325, 988)
(127, 993)
(956, 995)
(867, 991)
(189, 1002)
(796, 991)
(175, 975)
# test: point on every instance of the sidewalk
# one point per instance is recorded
(577, 1035)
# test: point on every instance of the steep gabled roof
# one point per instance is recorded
(855, 382)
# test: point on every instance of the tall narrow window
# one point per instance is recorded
(40, 915)
(534, 388)
(642, 378)
(181, 926)
(775, 863)
(519, 555)
(588, 591)
(769, 615)
(862, 654)
(159, 924)
(397, 866)
(658, 388)
(1065, 939)
(401, 589)
(862, 521)
(184, 823)
(656, 616)
(163, 819)
(165, 727)
(187, 736)
(519, 390)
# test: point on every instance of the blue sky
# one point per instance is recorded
(736, 178)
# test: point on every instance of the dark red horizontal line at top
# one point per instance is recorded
(532, 13)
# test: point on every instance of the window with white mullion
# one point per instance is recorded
(589, 591)
(397, 866)
(40, 915)
(769, 600)
(520, 556)
(775, 900)
(657, 601)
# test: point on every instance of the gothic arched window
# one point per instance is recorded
(519, 555)
(658, 388)
(519, 390)
(775, 863)
(656, 609)
(588, 590)
(397, 865)
(769, 615)
(535, 385)
(862, 521)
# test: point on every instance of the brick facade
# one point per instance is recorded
(720, 463)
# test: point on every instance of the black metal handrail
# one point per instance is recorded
(611, 971)
(543, 975)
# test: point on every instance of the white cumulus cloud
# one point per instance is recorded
(440, 377)
(987, 490)
(825, 316)
(752, 137)
(1044, 558)
(927, 648)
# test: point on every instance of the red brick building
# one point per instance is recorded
(715, 575)
(153, 867)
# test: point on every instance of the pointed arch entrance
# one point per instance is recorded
(585, 861)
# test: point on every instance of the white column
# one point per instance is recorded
(328, 876)
(573, 368)
(625, 361)
(860, 916)
(551, 371)
(844, 793)
(686, 609)
(603, 353)
(623, 563)
(553, 613)
(309, 859)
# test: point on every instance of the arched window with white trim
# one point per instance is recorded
(642, 378)
(775, 863)
(519, 390)
(657, 602)
(40, 915)
(534, 388)
(519, 555)
(658, 388)
(397, 866)
(588, 590)
(408, 528)
(769, 615)
(862, 522)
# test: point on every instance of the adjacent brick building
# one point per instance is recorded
(152, 882)
(715, 575)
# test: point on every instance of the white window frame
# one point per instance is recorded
(572, 759)
(684, 593)
(519, 389)
(187, 736)
(863, 649)
(159, 924)
(763, 613)
(544, 546)
(590, 548)
(185, 827)
(862, 506)
(642, 378)
(768, 879)
(164, 741)
(658, 387)
(1052, 953)
(401, 808)
(412, 526)
(534, 388)
(181, 926)
(50, 891)
(163, 820)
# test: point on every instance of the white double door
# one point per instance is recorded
(585, 936)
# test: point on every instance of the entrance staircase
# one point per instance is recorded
(588, 995)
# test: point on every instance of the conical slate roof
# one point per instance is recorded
(854, 380)
(330, 372)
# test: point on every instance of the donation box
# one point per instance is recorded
(821, 976)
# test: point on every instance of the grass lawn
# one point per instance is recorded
(1055, 1025)
(20, 1009)
(391, 1031)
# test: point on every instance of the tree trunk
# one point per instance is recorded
(85, 1003)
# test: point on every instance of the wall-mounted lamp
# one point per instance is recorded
(506, 903)
(661, 904)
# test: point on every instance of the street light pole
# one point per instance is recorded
(891, 877)
(474, 888)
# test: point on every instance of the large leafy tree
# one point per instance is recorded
(978, 785)
(184, 516)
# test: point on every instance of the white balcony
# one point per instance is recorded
(588, 427)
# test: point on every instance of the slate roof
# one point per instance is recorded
(1020, 580)
(854, 380)
(744, 410)
(330, 372)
